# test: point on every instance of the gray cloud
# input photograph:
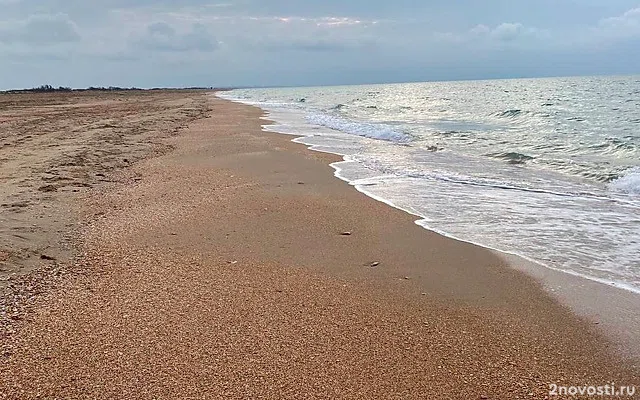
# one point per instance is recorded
(161, 36)
(40, 30)
(627, 24)
(508, 31)
(282, 42)
(307, 34)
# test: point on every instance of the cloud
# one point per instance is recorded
(480, 30)
(40, 30)
(502, 34)
(133, 42)
(336, 22)
(161, 36)
(321, 34)
(507, 31)
(626, 25)
(187, 29)
(161, 29)
(309, 45)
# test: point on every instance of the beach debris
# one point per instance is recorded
(483, 397)
(46, 257)
(374, 264)
(232, 262)
(406, 278)
(300, 183)
(346, 233)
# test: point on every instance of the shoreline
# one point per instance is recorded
(300, 139)
(615, 308)
(616, 311)
(222, 268)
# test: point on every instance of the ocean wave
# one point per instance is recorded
(369, 130)
(512, 157)
(497, 184)
(628, 183)
(579, 170)
(614, 145)
(509, 113)
(516, 113)
(458, 178)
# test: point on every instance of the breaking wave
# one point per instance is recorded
(512, 157)
(628, 183)
(369, 130)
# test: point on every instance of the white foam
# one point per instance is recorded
(372, 131)
(629, 183)
(364, 129)
(427, 185)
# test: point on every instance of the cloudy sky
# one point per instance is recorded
(310, 42)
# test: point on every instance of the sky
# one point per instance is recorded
(144, 43)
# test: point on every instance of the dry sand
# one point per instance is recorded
(54, 146)
(219, 270)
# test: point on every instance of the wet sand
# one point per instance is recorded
(221, 269)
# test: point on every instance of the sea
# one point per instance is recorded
(546, 169)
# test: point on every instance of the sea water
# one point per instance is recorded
(548, 169)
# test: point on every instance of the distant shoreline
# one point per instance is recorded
(63, 89)
(236, 87)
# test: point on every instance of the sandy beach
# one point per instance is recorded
(161, 245)
(56, 146)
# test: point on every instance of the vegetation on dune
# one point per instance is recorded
(52, 89)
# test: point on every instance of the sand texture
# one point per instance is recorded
(54, 147)
(221, 269)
